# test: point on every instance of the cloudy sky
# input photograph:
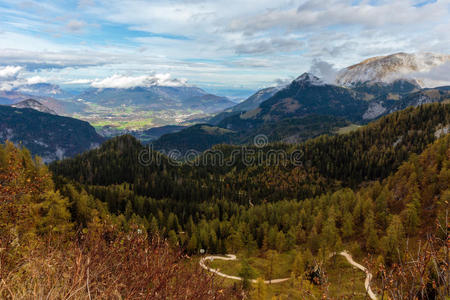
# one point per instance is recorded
(220, 45)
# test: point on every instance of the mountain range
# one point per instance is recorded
(305, 108)
(43, 90)
(158, 98)
(114, 111)
(324, 186)
(305, 98)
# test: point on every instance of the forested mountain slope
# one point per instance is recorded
(370, 153)
(385, 218)
(41, 237)
(47, 135)
(308, 97)
(121, 197)
(201, 137)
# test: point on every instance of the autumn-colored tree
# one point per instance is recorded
(394, 241)
(298, 266)
(260, 290)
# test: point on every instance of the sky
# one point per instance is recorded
(224, 46)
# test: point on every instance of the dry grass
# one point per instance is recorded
(103, 264)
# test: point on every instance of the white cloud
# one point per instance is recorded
(9, 72)
(12, 77)
(436, 76)
(323, 13)
(35, 79)
(324, 70)
(78, 81)
(214, 42)
(124, 82)
(9, 77)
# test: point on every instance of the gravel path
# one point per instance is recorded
(344, 253)
(231, 257)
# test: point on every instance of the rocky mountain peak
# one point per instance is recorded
(309, 79)
(34, 104)
(392, 67)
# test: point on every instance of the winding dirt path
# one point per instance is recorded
(349, 258)
(344, 253)
(232, 257)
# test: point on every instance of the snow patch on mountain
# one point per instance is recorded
(396, 66)
(309, 79)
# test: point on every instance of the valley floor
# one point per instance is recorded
(344, 275)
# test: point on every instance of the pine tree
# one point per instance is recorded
(260, 290)
(347, 227)
(298, 266)
(272, 264)
(393, 242)
(329, 233)
(370, 233)
(381, 208)
(54, 215)
(280, 241)
(410, 215)
(246, 274)
(291, 238)
(192, 246)
(234, 242)
(172, 237)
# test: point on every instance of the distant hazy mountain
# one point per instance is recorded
(250, 103)
(34, 104)
(158, 98)
(49, 136)
(11, 97)
(391, 67)
(59, 106)
(44, 90)
(256, 99)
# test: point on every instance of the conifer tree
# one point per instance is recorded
(347, 227)
(393, 242)
(370, 234)
(260, 290)
(246, 274)
(298, 266)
